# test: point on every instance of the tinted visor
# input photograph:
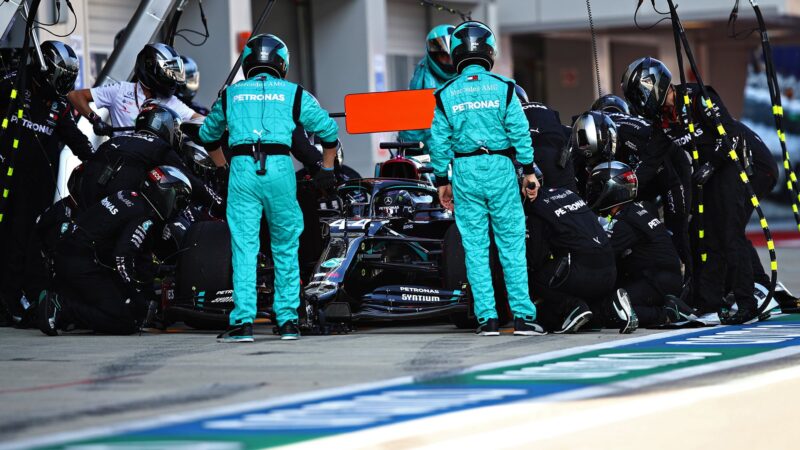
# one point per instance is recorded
(63, 80)
(193, 82)
(440, 44)
(171, 71)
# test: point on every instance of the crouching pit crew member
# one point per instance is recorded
(122, 162)
(479, 121)
(260, 114)
(572, 264)
(103, 262)
(648, 266)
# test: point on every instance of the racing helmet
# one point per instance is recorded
(160, 121)
(61, 69)
(611, 184)
(521, 94)
(610, 104)
(160, 68)
(167, 189)
(75, 182)
(645, 84)
(437, 45)
(265, 53)
(197, 155)
(356, 202)
(594, 134)
(473, 43)
(188, 90)
(394, 203)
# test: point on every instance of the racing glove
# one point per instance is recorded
(325, 178)
(703, 174)
(100, 127)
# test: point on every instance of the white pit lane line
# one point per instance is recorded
(516, 424)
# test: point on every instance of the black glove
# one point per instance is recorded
(101, 128)
(703, 174)
(324, 179)
(192, 130)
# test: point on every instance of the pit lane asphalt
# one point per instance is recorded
(77, 381)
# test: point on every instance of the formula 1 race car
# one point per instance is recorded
(389, 252)
(393, 254)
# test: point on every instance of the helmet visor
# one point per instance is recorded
(193, 82)
(439, 44)
(172, 70)
(63, 79)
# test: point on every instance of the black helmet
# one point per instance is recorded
(197, 154)
(160, 68)
(609, 185)
(645, 85)
(160, 121)
(75, 182)
(521, 94)
(395, 203)
(437, 45)
(61, 69)
(265, 53)
(610, 104)
(594, 135)
(167, 190)
(188, 90)
(473, 43)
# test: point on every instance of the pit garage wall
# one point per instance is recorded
(552, 46)
(560, 71)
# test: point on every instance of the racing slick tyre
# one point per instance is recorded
(203, 266)
(205, 321)
(454, 274)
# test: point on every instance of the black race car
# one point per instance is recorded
(393, 254)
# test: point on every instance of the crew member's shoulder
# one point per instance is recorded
(535, 106)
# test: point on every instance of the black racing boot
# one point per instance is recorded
(577, 318)
(623, 314)
(289, 331)
(678, 311)
(742, 316)
(524, 327)
(237, 333)
(49, 313)
(489, 328)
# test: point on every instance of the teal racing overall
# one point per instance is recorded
(479, 124)
(260, 114)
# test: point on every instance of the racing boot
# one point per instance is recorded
(237, 333)
(53, 315)
(289, 331)
(577, 318)
(489, 328)
(524, 327)
(742, 316)
(623, 314)
(788, 302)
(678, 311)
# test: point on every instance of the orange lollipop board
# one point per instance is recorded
(377, 112)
